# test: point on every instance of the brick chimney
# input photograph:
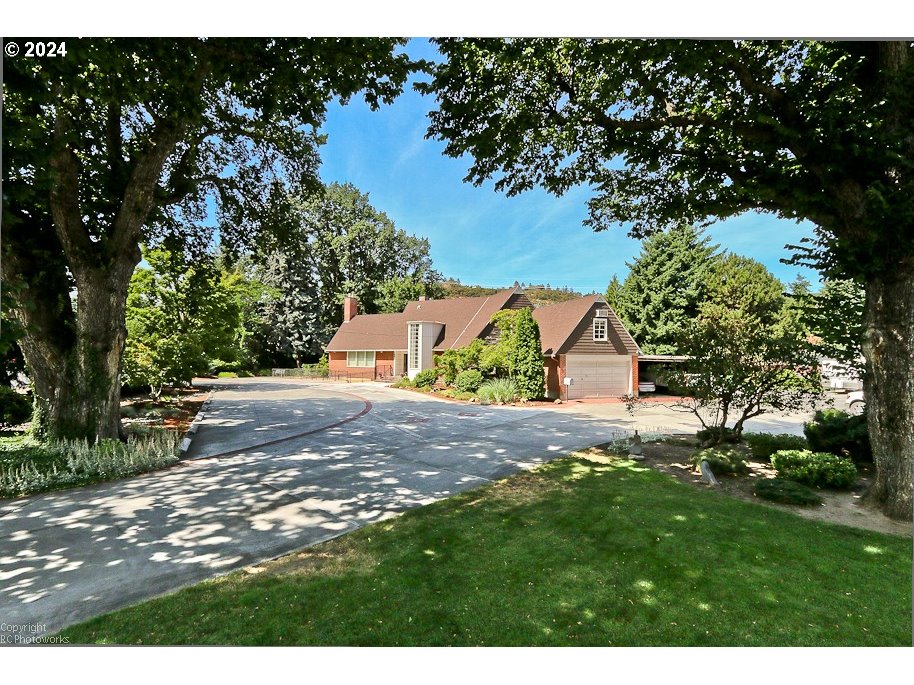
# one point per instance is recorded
(350, 307)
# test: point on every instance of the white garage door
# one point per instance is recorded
(598, 375)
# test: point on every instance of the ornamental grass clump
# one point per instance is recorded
(67, 463)
(497, 391)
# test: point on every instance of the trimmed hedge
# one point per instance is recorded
(838, 432)
(786, 492)
(763, 445)
(722, 460)
(468, 381)
(817, 469)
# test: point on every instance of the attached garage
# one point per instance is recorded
(598, 375)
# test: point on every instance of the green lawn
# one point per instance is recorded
(579, 552)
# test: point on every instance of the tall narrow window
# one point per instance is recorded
(600, 329)
(413, 346)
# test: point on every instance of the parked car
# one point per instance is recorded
(856, 402)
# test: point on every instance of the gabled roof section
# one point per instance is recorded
(464, 318)
(379, 332)
(558, 322)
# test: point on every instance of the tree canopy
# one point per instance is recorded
(746, 355)
(670, 131)
(121, 142)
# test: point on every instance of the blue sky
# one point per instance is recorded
(484, 237)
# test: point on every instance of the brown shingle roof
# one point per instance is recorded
(379, 332)
(464, 319)
(557, 322)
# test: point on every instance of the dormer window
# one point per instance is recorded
(600, 329)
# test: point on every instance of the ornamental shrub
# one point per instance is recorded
(527, 363)
(468, 381)
(786, 492)
(763, 445)
(498, 390)
(426, 379)
(838, 432)
(722, 460)
(706, 434)
(816, 469)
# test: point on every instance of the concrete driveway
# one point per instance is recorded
(255, 487)
(278, 464)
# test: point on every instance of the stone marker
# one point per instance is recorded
(707, 475)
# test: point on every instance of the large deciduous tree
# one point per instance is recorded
(671, 131)
(835, 316)
(354, 248)
(120, 142)
(747, 353)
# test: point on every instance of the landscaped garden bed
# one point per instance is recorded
(154, 428)
(675, 455)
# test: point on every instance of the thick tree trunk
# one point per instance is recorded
(77, 381)
(889, 387)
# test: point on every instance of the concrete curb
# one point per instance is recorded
(195, 424)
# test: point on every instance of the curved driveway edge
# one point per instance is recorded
(269, 416)
(276, 465)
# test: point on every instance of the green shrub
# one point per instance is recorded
(497, 390)
(468, 381)
(403, 382)
(128, 411)
(722, 460)
(705, 434)
(817, 469)
(527, 359)
(448, 365)
(227, 374)
(452, 362)
(15, 408)
(426, 379)
(838, 432)
(29, 466)
(786, 491)
(763, 445)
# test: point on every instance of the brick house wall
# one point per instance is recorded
(383, 365)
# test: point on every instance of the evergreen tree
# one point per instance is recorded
(664, 287)
(527, 366)
(614, 293)
(291, 316)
